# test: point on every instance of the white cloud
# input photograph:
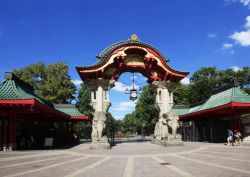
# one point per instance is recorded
(226, 46)
(124, 106)
(245, 2)
(77, 82)
(235, 68)
(120, 87)
(247, 25)
(185, 81)
(243, 38)
(211, 35)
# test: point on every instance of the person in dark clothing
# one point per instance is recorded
(230, 135)
(237, 138)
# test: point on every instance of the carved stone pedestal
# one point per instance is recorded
(99, 146)
(167, 143)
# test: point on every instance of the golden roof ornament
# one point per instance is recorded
(133, 37)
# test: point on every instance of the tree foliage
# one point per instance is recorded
(52, 82)
(83, 101)
(202, 84)
(110, 119)
(181, 96)
(144, 114)
(209, 80)
(146, 109)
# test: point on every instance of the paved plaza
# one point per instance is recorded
(135, 159)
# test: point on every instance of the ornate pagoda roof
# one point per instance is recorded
(70, 110)
(131, 55)
(14, 88)
(14, 91)
(230, 98)
(133, 40)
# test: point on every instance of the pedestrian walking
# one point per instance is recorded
(230, 135)
(237, 138)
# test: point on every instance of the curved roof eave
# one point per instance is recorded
(108, 51)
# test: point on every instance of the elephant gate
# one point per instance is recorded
(131, 55)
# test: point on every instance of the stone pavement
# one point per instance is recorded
(141, 159)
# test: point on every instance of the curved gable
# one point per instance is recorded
(131, 56)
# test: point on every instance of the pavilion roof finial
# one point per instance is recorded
(134, 37)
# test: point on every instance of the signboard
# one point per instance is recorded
(48, 142)
(247, 129)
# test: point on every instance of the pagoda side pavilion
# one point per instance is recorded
(19, 104)
(209, 121)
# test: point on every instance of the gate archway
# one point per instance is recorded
(131, 55)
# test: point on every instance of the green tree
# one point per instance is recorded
(130, 123)
(236, 77)
(110, 119)
(202, 84)
(51, 83)
(145, 110)
(83, 101)
(207, 81)
(181, 94)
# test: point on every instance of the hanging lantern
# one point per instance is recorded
(133, 92)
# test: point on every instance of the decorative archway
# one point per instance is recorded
(131, 55)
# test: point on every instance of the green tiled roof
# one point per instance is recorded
(107, 51)
(68, 109)
(234, 94)
(181, 110)
(14, 88)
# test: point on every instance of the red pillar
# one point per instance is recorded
(12, 131)
(5, 133)
(30, 127)
(235, 121)
(72, 126)
(232, 122)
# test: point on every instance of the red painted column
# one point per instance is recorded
(30, 127)
(12, 131)
(5, 133)
(235, 121)
(232, 124)
(72, 126)
(238, 124)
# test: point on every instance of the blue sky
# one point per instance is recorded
(192, 34)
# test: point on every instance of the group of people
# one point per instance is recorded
(233, 138)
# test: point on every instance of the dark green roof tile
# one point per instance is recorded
(107, 51)
(181, 109)
(68, 109)
(234, 94)
(15, 89)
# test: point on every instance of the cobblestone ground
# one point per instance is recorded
(130, 160)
